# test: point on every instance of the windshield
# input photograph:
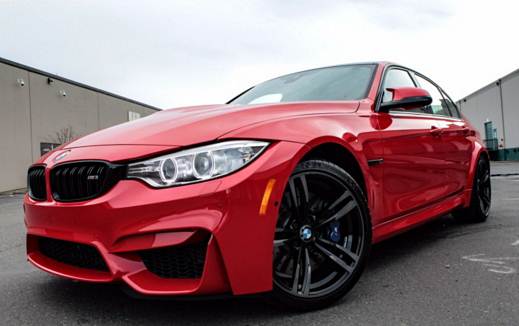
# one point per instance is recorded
(339, 83)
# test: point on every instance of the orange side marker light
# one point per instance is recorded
(266, 196)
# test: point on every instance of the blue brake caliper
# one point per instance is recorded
(334, 232)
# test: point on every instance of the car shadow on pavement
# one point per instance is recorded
(107, 303)
(409, 243)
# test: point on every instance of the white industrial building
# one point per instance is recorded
(494, 111)
(39, 111)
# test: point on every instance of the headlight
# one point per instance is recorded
(196, 164)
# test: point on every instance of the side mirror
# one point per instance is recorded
(406, 98)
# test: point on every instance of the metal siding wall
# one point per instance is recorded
(15, 139)
(510, 88)
(39, 110)
(52, 112)
(114, 111)
(482, 106)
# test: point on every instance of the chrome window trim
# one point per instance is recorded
(424, 115)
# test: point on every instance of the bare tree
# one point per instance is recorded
(64, 135)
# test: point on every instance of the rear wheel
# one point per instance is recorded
(481, 196)
(322, 238)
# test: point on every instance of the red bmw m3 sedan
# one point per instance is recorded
(282, 190)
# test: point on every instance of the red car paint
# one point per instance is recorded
(403, 92)
(427, 170)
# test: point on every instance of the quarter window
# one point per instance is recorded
(452, 107)
(439, 105)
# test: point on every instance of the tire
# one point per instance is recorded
(480, 200)
(322, 239)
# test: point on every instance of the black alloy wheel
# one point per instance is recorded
(322, 237)
(481, 198)
(483, 187)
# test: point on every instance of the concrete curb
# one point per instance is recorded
(14, 192)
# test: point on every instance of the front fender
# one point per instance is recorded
(358, 134)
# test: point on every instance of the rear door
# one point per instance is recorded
(456, 146)
(414, 152)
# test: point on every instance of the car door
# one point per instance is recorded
(455, 146)
(456, 139)
(413, 161)
(462, 140)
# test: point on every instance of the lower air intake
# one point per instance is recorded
(71, 253)
(185, 261)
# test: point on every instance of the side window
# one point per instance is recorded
(455, 112)
(396, 78)
(438, 106)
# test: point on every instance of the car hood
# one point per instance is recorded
(192, 125)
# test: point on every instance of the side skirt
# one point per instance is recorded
(403, 223)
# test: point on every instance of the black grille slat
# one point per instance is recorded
(36, 183)
(66, 182)
(83, 180)
(42, 185)
(80, 179)
(72, 178)
(63, 181)
(99, 184)
(62, 185)
(88, 182)
(186, 261)
(71, 253)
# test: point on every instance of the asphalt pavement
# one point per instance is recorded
(442, 273)
(504, 168)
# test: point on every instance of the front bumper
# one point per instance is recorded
(133, 218)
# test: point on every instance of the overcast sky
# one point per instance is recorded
(177, 53)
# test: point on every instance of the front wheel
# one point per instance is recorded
(480, 201)
(322, 237)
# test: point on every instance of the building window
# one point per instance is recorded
(491, 137)
(47, 147)
(133, 115)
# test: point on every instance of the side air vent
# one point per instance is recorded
(184, 261)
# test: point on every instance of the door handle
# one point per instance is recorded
(466, 131)
(435, 131)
